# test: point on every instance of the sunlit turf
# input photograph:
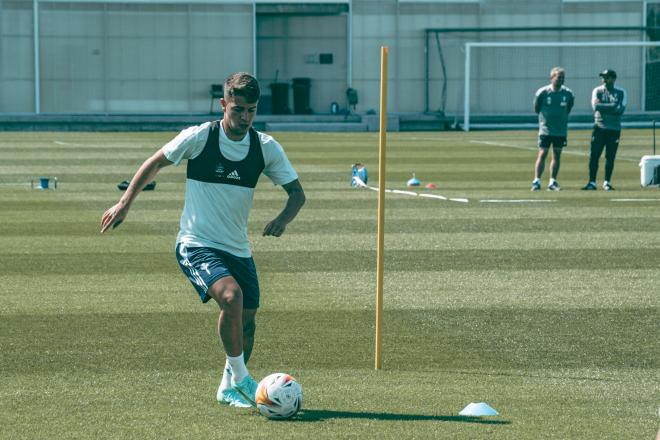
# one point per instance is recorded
(546, 309)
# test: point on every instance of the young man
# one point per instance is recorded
(608, 103)
(224, 161)
(552, 103)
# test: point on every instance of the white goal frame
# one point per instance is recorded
(476, 44)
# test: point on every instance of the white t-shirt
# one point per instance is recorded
(216, 214)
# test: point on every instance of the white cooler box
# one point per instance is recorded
(650, 170)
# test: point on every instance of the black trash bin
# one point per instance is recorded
(301, 87)
(280, 98)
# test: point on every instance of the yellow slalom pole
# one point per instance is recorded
(381, 208)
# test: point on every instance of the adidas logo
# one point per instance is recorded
(234, 175)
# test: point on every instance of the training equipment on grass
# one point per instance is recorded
(123, 186)
(650, 170)
(413, 181)
(650, 167)
(279, 396)
(359, 171)
(431, 186)
(478, 410)
(43, 183)
(361, 184)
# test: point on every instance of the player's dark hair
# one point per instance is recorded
(242, 84)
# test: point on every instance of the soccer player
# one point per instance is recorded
(609, 103)
(224, 161)
(552, 103)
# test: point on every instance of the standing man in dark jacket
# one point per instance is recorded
(609, 103)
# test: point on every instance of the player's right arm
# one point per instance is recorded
(145, 174)
(538, 100)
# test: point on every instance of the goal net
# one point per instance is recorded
(502, 77)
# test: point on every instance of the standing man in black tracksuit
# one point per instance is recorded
(609, 103)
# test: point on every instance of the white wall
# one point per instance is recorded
(147, 57)
(139, 58)
(16, 57)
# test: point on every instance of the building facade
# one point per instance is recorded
(151, 57)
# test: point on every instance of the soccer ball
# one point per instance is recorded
(279, 396)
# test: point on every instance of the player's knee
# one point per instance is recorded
(228, 295)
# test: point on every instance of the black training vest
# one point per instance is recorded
(212, 167)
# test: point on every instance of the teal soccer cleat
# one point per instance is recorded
(231, 397)
(247, 388)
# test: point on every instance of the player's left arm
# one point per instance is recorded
(295, 201)
(620, 106)
(570, 104)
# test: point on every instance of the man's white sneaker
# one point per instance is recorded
(554, 186)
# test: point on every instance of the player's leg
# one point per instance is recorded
(227, 293)
(226, 393)
(249, 330)
(539, 165)
(229, 296)
(611, 147)
(597, 146)
(209, 273)
(558, 145)
(245, 273)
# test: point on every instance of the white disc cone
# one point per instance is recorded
(478, 410)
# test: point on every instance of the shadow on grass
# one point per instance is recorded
(319, 415)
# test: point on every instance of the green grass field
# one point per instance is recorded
(548, 310)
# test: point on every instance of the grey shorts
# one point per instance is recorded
(204, 266)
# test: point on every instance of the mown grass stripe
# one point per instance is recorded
(333, 226)
(506, 338)
(346, 261)
(117, 242)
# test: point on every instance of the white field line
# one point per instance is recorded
(407, 193)
(635, 200)
(520, 147)
(433, 196)
(361, 184)
(517, 201)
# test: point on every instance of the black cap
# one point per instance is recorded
(607, 73)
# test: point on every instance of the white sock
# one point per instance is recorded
(606, 183)
(552, 181)
(238, 368)
(225, 383)
(536, 179)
